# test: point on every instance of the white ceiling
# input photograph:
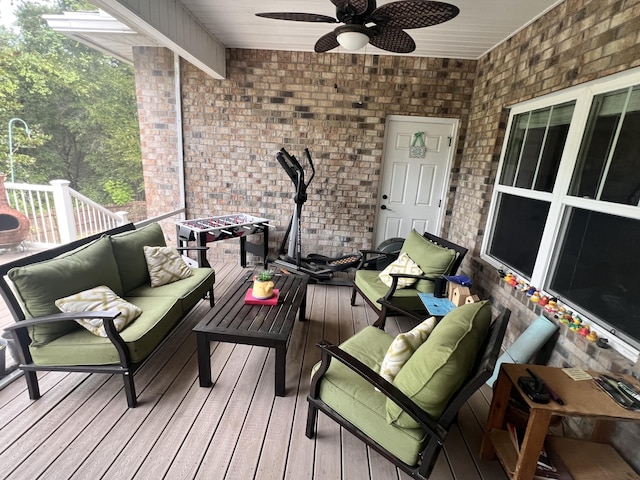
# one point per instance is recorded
(200, 30)
(480, 26)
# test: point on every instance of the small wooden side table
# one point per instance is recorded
(582, 398)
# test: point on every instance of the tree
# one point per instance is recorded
(80, 103)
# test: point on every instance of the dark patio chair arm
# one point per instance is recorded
(373, 255)
(61, 317)
(107, 316)
(394, 283)
(329, 351)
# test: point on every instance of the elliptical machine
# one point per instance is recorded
(318, 267)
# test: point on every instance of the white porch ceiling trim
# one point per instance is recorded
(173, 26)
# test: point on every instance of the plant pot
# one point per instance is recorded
(262, 290)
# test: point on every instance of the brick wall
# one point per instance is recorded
(578, 41)
(234, 127)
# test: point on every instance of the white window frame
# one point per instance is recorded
(559, 199)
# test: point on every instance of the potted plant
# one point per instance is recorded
(263, 285)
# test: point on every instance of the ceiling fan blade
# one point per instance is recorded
(326, 42)
(393, 40)
(358, 6)
(406, 14)
(298, 17)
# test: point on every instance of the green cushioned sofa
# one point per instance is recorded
(50, 340)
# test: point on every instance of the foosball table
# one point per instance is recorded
(213, 229)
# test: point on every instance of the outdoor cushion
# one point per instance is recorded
(356, 400)
(80, 347)
(188, 291)
(440, 366)
(39, 285)
(369, 283)
(433, 259)
(403, 264)
(165, 265)
(128, 250)
(99, 298)
(403, 347)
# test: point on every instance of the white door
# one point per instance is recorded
(413, 190)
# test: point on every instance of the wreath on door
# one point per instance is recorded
(417, 148)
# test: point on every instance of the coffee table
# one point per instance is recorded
(231, 320)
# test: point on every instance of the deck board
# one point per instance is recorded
(81, 427)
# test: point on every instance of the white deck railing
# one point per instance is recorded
(59, 214)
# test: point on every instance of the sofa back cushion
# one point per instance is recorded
(432, 259)
(128, 250)
(39, 285)
(441, 365)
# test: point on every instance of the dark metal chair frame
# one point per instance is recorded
(436, 429)
(386, 302)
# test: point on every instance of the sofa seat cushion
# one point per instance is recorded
(189, 290)
(128, 250)
(39, 285)
(356, 400)
(440, 366)
(81, 347)
(432, 259)
(373, 288)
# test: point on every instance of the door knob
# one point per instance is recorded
(384, 197)
(383, 207)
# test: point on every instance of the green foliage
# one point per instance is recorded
(79, 103)
(120, 192)
(265, 276)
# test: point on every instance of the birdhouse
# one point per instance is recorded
(459, 294)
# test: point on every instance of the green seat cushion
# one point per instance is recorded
(441, 365)
(143, 335)
(39, 285)
(356, 400)
(432, 259)
(128, 250)
(373, 288)
(188, 290)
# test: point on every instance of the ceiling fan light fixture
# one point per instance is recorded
(352, 37)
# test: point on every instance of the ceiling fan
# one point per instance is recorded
(383, 26)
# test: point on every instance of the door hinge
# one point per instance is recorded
(439, 203)
(450, 141)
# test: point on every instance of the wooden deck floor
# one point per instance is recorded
(81, 428)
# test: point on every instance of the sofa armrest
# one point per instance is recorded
(19, 331)
(329, 351)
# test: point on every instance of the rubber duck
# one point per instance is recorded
(593, 336)
(535, 297)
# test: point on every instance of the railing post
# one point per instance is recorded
(123, 217)
(64, 210)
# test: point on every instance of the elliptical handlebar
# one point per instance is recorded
(295, 171)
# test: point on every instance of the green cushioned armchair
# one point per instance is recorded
(407, 421)
(434, 255)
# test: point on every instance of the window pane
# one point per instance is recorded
(532, 147)
(597, 268)
(609, 159)
(553, 147)
(516, 138)
(517, 232)
(535, 147)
